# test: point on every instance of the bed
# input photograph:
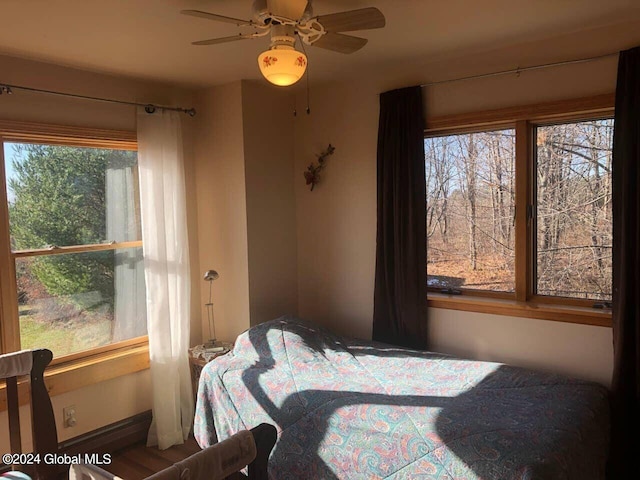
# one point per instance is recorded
(352, 409)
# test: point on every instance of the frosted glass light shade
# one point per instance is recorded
(282, 65)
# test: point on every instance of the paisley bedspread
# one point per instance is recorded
(350, 409)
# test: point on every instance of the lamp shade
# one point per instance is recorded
(282, 65)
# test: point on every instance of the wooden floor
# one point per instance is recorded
(138, 461)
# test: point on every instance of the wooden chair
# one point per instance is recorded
(223, 460)
(43, 426)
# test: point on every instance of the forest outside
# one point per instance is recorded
(471, 210)
(574, 214)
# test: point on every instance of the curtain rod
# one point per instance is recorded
(149, 107)
(518, 70)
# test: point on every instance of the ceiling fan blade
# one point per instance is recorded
(215, 41)
(218, 18)
(337, 42)
(291, 9)
(361, 19)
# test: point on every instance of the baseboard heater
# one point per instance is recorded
(107, 439)
(111, 437)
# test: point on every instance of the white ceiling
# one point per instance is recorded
(150, 39)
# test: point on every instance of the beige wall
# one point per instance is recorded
(96, 406)
(336, 223)
(246, 204)
(268, 147)
(35, 107)
(222, 208)
(577, 350)
(106, 402)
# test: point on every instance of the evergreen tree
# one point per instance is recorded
(59, 199)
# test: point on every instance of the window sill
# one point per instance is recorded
(89, 370)
(558, 313)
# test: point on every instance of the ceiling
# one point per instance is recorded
(150, 39)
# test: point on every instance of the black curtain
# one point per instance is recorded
(625, 446)
(400, 295)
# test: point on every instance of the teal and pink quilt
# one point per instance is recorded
(351, 409)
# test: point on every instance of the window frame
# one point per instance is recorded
(524, 302)
(91, 366)
(532, 171)
(503, 295)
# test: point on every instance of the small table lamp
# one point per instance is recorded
(210, 276)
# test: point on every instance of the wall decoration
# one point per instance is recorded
(312, 175)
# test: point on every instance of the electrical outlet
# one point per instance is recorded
(69, 416)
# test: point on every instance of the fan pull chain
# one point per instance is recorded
(307, 74)
(308, 107)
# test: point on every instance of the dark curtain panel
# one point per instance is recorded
(400, 295)
(625, 447)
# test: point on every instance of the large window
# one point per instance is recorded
(77, 278)
(573, 198)
(470, 210)
(523, 212)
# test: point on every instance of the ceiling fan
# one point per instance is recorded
(284, 20)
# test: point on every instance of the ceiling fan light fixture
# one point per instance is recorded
(282, 65)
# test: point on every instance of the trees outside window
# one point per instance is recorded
(74, 232)
(574, 216)
(562, 250)
(470, 210)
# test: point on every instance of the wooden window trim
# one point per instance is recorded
(573, 109)
(113, 348)
(529, 309)
(476, 128)
(558, 300)
(89, 367)
(523, 303)
(466, 292)
(28, 132)
(55, 250)
(9, 334)
(77, 371)
(523, 227)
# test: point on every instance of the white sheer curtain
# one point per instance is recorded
(166, 260)
(123, 210)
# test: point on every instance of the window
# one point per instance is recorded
(77, 280)
(573, 219)
(470, 210)
(519, 217)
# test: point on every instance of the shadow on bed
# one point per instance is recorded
(486, 430)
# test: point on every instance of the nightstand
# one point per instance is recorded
(199, 356)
